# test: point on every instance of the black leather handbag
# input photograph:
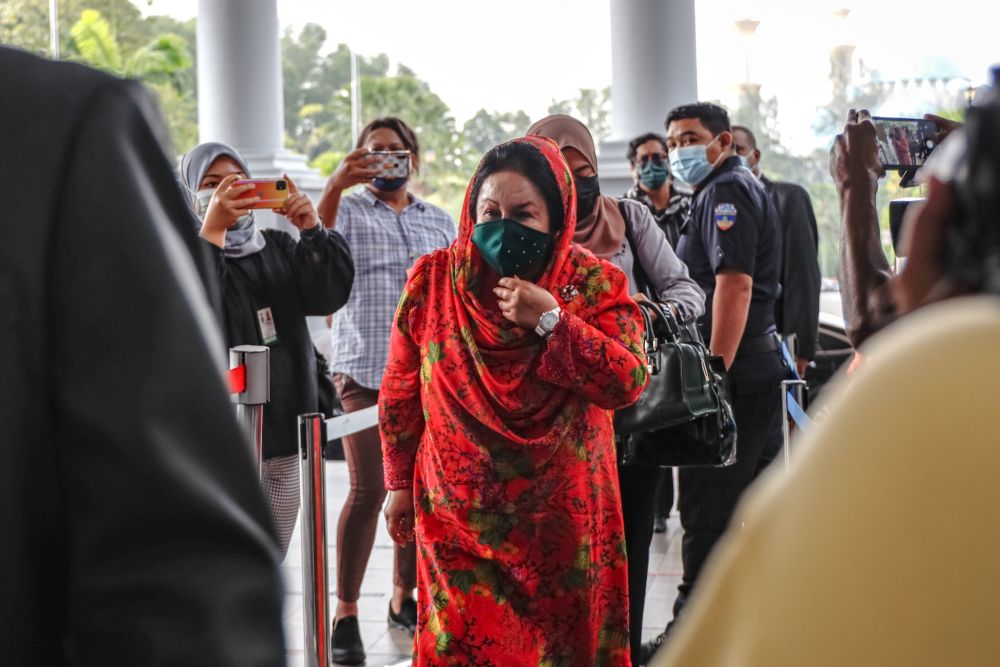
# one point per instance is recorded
(685, 416)
(328, 403)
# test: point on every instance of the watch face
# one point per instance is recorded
(549, 320)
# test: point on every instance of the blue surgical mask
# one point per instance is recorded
(389, 184)
(690, 163)
(744, 162)
(204, 197)
(653, 174)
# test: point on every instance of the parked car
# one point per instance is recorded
(833, 349)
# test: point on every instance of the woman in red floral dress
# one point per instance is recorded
(508, 353)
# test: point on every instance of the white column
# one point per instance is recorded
(240, 95)
(653, 69)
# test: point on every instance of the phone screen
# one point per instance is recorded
(904, 142)
(272, 191)
(394, 164)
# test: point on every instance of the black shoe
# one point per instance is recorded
(406, 619)
(660, 524)
(649, 649)
(348, 649)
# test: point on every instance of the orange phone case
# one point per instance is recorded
(272, 191)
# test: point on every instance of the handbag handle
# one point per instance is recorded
(665, 317)
(651, 343)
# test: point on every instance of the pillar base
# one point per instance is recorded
(613, 167)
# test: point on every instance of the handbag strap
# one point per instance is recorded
(641, 277)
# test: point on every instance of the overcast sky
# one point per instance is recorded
(500, 55)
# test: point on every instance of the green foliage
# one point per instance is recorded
(326, 162)
(25, 24)
(95, 44)
(812, 171)
(165, 55)
(592, 107)
(486, 129)
(112, 35)
(162, 62)
(318, 115)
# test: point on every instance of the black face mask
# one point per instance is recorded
(587, 191)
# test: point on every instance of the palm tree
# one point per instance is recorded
(161, 59)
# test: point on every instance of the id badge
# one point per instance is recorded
(268, 332)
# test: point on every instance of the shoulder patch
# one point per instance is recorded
(725, 215)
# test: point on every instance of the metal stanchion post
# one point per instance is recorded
(786, 431)
(250, 402)
(315, 586)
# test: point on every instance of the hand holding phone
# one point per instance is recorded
(392, 164)
(298, 208)
(854, 163)
(270, 192)
(229, 203)
(360, 166)
(904, 142)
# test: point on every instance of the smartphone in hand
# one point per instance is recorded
(392, 164)
(272, 191)
(904, 142)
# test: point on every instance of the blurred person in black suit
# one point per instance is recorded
(134, 530)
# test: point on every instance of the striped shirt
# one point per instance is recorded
(384, 244)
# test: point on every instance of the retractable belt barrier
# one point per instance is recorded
(315, 571)
(249, 380)
(791, 403)
(237, 378)
(314, 433)
(250, 388)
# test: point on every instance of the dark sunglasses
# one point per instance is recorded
(657, 158)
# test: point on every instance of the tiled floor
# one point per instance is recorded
(391, 647)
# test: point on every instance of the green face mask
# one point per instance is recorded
(510, 248)
(652, 174)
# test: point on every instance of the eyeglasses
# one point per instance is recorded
(657, 158)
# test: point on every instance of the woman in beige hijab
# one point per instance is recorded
(602, 229)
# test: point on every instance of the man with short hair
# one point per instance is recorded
(826, 573)
(732, 246)
(652, 185)
(797, 306)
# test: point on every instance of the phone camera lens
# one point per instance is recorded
(282, 185)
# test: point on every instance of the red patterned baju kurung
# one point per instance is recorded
(507, 443)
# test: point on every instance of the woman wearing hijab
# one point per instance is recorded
(604, 231)
(270, 283)
(508, 352)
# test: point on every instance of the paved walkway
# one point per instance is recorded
(387, 647)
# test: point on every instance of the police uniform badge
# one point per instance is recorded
(725, 216)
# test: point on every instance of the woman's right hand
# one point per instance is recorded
(358, 167)
(399, 516)
(227, 206)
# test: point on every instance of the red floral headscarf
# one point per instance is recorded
(467, 265)
(492, 375)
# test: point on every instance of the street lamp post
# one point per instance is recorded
(54, 29)
(747, 28)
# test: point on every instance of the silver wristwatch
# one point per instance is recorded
(547, 322)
